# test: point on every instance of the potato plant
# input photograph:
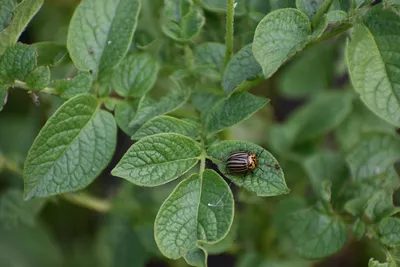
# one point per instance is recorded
(264, 131)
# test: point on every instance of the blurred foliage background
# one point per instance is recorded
(65, 234)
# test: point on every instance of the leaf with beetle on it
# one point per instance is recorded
(188, 211)
(267, 178)
(158, 159)
(71, 150)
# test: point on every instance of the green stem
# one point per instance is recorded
(79, 198)
(46, 90)
(87, 201)
(229, 31)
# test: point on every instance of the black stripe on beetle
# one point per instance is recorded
(241, 162)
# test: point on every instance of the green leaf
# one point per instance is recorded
(71, 150)
(79, 84)
(6, 12)
(242, 68)
(361, 121)
(220, 6)
(389, 231)
(16, 62)
(50, 53)
(326, 166)
(181, 20)
(100, 33)
(232, 110)
(38, 78)
(14, 211)
(379, 205)
(374, 154)
(267, 179)
(209, 59)
(373, 263)
(147, 109)
(295, 80)
(135, 75)
(124, 114)
(316, 235)
(167, 124)
(158, 159)
(274, 43)
(196, 257)
(372, 56)
(188, 211)
(224, 244)
(22, 14)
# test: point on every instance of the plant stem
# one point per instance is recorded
(79, 198)
(87, 201)
(189, 58)
(46, 90)
(229, 31)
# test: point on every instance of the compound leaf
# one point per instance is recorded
(158, 159)
(101, 32)
(267, 179)
(373, 56)
(71, 150)
(232, 110)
